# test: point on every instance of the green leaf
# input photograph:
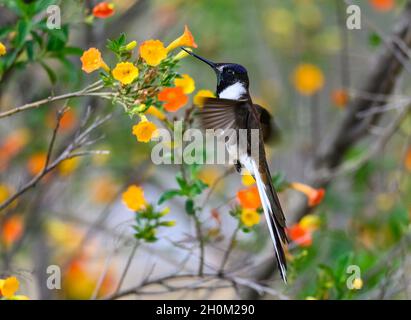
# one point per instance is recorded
(41, 5)
(374, 40)
(30, 50)
(57, 39)
(169, 195)
(50, 72)
(23, 29)
(4, 31)
(72, 51)
(190, 207)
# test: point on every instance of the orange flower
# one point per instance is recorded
(104, 190)
(339, 97)
(185, 40)
(12, 230)
(125, 72)
(308, 79)
(103, 10)
(153, 52)
(300, 235)
(91, 61)
(174, 98)
(8, 287)
(67, 121)
(36, 163)
(145, 131)
(12, 145)
(185, 82)
(249, 198)
(382, 5)
(134, 199)
(315, 196)
(407, 162)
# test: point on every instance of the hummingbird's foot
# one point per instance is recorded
(237, 166)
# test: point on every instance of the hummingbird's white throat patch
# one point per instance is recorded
(234, 92)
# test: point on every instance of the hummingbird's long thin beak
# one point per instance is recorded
(210, 63)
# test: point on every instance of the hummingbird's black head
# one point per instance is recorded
(232, 78)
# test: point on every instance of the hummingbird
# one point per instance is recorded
(233, 108)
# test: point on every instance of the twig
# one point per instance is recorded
(88, 91)
(130, 259)
(230, 249)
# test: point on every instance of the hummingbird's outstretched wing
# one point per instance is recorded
(223, 114)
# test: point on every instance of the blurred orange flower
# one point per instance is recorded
(8, 287)
(145, 130)
(407, 161)
(80, 281)
(91, 61)
(185, 40)
(12, 230)
(308, 79)
(12, 145)
(125, 72)
(185, 82)
(67, 122)
(315, 196)
(103, 10)
(134, 199)
(200, 95)
(153, 52)
(339, 97)
(301, 233)
(300, 236)
(36, 163)
(104, 189)
(249, 198)
(174, 98)
(3, 49)
(249, 217)
(382, 5)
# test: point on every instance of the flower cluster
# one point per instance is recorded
(147, 218)
(147, 84)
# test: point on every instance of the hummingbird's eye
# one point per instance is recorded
(229, 71)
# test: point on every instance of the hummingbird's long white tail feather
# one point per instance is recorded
(276, 230)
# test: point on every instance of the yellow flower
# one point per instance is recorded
(134, 199)
(145, 130)
(310, 222)
(153, 111)
(3, 49)
(4, 192)
(153, 52)
(91, 61)
(185, 40)
(200, 95)
(131, 45)
(68, 166)
(182, 54)
(8, 287)
(308, 79)
(250, 217)
(185, 82)
(357, 284)
(125, 72)
(247, 179)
